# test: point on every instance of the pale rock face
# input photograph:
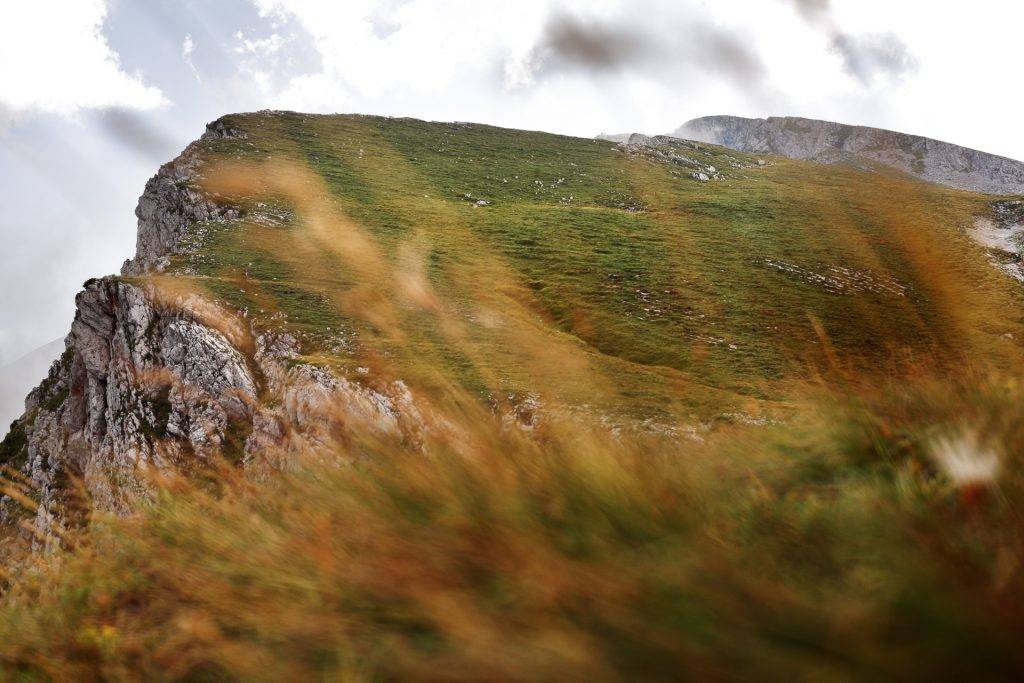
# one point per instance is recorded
(152, 379)
(828, 142)
(1002, 234)
(143, 383)
(170, 204)
(133, 372)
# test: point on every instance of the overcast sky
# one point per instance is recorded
(95, 94)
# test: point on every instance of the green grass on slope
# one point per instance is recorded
(683, 293)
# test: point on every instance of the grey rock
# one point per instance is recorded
(221, 129)
(134, 372)
(172, 201)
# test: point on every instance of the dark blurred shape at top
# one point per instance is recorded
(138, 132)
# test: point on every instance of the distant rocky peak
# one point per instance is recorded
(829, 142)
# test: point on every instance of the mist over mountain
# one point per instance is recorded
(19, 376)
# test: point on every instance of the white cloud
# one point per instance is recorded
(431, 57)
(264, 46)
(412, 47)
(54, 58)
(313, 92)
(873, 62)
(187, 47)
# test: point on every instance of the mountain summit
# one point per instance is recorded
(829, 142)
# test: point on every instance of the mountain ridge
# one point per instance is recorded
(934, 160)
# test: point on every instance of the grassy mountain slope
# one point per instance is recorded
(682, 296)
(848, 508)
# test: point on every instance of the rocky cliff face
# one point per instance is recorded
(828, 142)
(170, 203)
(154, 376)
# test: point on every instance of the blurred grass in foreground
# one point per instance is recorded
(835, 547)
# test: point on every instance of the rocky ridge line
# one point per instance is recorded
(829, 142)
